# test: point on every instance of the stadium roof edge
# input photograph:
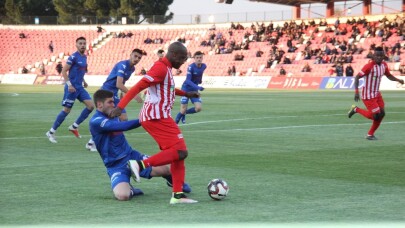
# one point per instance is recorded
(296, 2)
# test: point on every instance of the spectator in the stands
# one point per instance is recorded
(59, 67)
(50, 46)
(42, 68)
(339, 69)
(22, 35)
(229, 71)
(259, 53)
(306, 68)
(287, 60)
(282, 71)
(100, 29)
(147, 40)
(24, 70)
(349, 71)
(239, 57)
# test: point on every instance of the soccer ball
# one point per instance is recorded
(218, 189)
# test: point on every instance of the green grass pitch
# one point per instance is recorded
(288, 157)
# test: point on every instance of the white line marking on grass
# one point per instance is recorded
(292, 127)
(15, 94)
(235, 129)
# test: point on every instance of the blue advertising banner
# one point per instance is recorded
(339, 83)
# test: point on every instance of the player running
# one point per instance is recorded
(195, 72)
(371, 95)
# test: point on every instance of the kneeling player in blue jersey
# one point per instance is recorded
(195, 72)
(115, 150)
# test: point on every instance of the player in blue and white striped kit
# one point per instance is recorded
(115, 150)
(76, 64)
(195, 72)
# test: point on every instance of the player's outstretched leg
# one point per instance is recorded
(352, 111)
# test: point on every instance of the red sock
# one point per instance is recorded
(164, 157)
(374, 126)
(365, 113)
(178, 170)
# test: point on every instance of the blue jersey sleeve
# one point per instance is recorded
(102, 124)
(189, 81)
(121, 71)
(71, 60)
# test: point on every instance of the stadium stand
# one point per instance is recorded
(301, 41)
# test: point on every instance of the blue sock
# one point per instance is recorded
(178, 117)
(85, 113)
(59, 119)
(191, 111)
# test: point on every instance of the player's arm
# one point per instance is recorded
(392, 77)
(191, 94)
(106, 125)
(188, 80)
(356, 87)
(121, 86)
(65, 70)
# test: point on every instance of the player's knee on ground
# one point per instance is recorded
(122, 195)
(182, 154)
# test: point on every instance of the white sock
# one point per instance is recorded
(75, 125)
(91, 141)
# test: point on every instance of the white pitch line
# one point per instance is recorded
(235, 129)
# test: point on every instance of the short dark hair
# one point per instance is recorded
(139, 51)
(160, 51)
(101, 95)
(80, 38)
(198, 53)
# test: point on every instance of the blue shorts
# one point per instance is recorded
(121, 173)
(184, 100)
(116, 101)
(69, 98)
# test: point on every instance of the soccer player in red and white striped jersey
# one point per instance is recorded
(372, 73)
(155, 118)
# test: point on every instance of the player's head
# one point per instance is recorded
(161, 53)
(136, 56)
(177, 54)
(81, 44)
(104, 100)
(198, 57)
(379, 55)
